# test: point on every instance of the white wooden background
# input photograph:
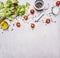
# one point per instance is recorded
(42, 42)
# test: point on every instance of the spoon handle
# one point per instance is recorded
(39, 17)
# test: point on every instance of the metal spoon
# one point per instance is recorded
(41, 15)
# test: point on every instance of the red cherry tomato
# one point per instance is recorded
(26, 17)
(32, 25)
(32, 11)
(18, 24)
(47, 21)
(57, 3)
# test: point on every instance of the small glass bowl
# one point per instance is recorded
(37, 1)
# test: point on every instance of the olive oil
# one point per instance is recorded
(4, 25)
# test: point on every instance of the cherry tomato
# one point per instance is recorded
(18, 24)
(32, 25)
(26, 17)
(47, 21)
(32, 11)
(57, 3)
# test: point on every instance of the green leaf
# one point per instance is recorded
(27, 5)
(1, 5)
(15, 1)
